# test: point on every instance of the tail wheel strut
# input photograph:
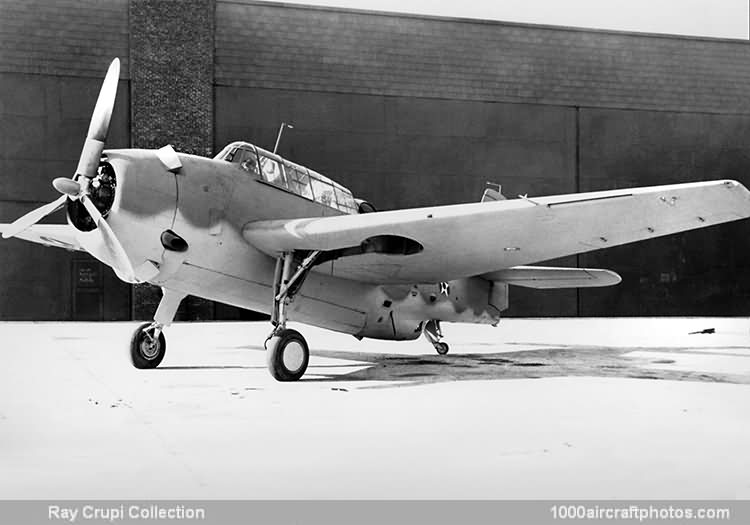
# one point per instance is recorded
(434, 334)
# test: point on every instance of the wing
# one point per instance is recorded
(448, 242)
(548, 277)
(57, 235)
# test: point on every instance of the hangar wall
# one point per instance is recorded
(413, 110)
(405, 110)
(50, 74)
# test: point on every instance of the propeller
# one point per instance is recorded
(34, 216)
(77, 187)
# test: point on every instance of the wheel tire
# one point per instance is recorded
(442, 348)
(287, 355)
(143, 354)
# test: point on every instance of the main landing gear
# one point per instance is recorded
(434, 334)
(287, 355)
(287, 351)
(148, 344)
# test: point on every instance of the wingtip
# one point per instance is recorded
(732, 184)
(603, 277)
(616, 277)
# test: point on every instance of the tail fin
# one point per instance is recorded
(491, 194)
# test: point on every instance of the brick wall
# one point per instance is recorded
(63, 37)
(171, 79)
(322, 49)
(171, 49)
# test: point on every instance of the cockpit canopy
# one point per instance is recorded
(289, 176)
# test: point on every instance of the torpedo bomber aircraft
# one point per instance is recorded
(251, 229)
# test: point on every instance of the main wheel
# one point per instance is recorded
(145, 351)
(442, 348)
(287, 355)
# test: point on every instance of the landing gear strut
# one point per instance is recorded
(148, 344)
(288, 353)
(434, 334)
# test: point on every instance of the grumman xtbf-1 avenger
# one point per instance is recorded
(251, 229)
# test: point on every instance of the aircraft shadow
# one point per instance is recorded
(211, 367)
(553, 361)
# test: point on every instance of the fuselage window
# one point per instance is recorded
(299, 181)
(227, 153)
(247, 160)
(272, 172)
(323, 191)
(345, 200)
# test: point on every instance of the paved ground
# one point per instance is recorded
(567, 408)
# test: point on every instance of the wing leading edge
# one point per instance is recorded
(474, 239)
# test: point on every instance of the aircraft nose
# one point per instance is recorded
(143, 205)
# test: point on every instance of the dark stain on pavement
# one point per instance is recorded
(540, 362)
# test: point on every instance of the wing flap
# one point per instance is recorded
(546, 277)
(473, 239)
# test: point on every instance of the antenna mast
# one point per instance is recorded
(278, 137)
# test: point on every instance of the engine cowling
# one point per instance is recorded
(137, 197)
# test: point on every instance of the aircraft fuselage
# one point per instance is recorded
(208, 201)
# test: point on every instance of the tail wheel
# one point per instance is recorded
(288, 355)
(147, 351)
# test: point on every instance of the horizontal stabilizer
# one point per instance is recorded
(549, 277)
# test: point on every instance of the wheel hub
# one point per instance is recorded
(149, 347)
(294, 356)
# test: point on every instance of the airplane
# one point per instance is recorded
(254, 230)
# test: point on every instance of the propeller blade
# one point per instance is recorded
(116, 252)
(105, 103)
(92, 209)
(99, 126)
(34, 216)
(67, 187)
